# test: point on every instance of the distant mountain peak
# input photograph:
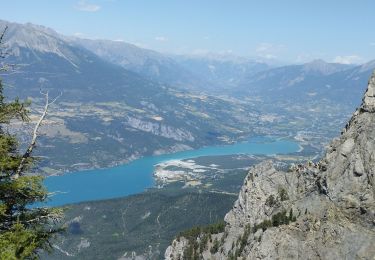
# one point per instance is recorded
(318, 62)
(324, 67)
(35, 37)
(368, 66)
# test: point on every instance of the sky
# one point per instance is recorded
(293, 31)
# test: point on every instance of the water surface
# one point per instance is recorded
(137, 175)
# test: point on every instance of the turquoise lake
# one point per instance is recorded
(137, 175)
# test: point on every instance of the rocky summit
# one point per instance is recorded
(317, 210)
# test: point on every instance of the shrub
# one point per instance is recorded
(280, 219)
(215, 247)
(270, 201)
(283, 194)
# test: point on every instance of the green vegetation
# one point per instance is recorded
(243, 240)
(240, 244)
(23, 229)
(280, 218)
(210, 229)
(277, 219)
(271, 201)
(195, 234)
(203, 234)
(283, 194)
(141, 223)
(179, 209)
(215, 246)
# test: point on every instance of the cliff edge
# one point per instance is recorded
(323, 210)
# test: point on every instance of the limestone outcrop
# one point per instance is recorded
(323, 210)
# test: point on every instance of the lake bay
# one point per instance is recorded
(136, 176)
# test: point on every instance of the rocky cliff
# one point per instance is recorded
(323, 210)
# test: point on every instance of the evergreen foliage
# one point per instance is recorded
(271, 201)
(280, 218)
(194, 232)
(283, 194)
(24, 229)
(195, 249)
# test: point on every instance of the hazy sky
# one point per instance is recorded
(287, 30)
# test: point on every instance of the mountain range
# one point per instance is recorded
(120, 102)
(108, 114)
(211, 73)
(316, 79)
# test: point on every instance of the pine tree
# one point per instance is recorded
(24, 228)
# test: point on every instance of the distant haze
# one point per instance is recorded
(289, 31)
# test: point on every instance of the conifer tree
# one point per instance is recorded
(25, 229)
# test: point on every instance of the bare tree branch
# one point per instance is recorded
(32, 144)
(2, 53)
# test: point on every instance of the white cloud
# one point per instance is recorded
(348, 59)
(269, 50)
(79, 35)
(263, 47)
(161, 39)
(84, 6)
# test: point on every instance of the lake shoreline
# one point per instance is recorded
(138, 175)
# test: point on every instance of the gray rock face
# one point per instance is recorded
(369, 99)
(328, 207)
(159, 129)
